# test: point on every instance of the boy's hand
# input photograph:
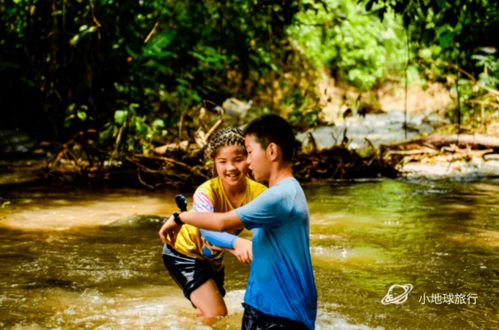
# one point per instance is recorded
(242, 250)
(169, 231)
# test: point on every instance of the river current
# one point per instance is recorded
(387, 254)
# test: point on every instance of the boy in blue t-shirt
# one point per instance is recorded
(281, 290)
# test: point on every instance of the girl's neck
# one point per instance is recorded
(235, 193)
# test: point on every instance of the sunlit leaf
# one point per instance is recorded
(158, 123)
(82, 115)
(120, 116)
(74, 40)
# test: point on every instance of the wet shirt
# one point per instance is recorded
(281, 280)
(211, 197)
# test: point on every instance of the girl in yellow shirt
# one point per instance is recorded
(194, 258)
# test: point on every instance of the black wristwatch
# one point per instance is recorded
(176, 218)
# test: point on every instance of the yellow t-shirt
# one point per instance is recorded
(211, 197)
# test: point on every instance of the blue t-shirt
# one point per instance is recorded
(281, 280)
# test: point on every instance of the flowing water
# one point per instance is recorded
(81, 259)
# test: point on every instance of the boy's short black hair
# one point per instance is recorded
(273, 129)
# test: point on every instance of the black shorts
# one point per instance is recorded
(254, 319)
(190, 273)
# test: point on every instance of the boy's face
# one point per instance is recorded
(258, 162)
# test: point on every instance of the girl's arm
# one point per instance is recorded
(219, 239)
(241, 248)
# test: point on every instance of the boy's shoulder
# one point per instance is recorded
(285, 190)
(288, 183)
(289, 191)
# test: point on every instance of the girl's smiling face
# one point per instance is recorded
(231, 165)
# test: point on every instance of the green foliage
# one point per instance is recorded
(67, 66)
(489, 66)
(456, 43)
(76, 115)
(130, 133)
(458, 28)
(357, 47)
(478, 100)
(73, 63)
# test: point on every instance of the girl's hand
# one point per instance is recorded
(242, 250)
(169, 231)
(211, 246)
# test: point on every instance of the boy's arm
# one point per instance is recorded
(205, 220)
(213, 221)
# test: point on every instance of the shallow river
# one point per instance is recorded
(81, 259)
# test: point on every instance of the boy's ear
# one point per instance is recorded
(273, 151)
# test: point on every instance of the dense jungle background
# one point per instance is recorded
(131, 90)
(106, 107)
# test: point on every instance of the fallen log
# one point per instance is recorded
(461, 140)
(475, 150)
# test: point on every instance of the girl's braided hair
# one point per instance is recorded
(221, 138)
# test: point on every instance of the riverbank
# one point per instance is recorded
(436, 157)
(386, 144)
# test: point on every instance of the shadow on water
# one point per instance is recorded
(92, 259)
